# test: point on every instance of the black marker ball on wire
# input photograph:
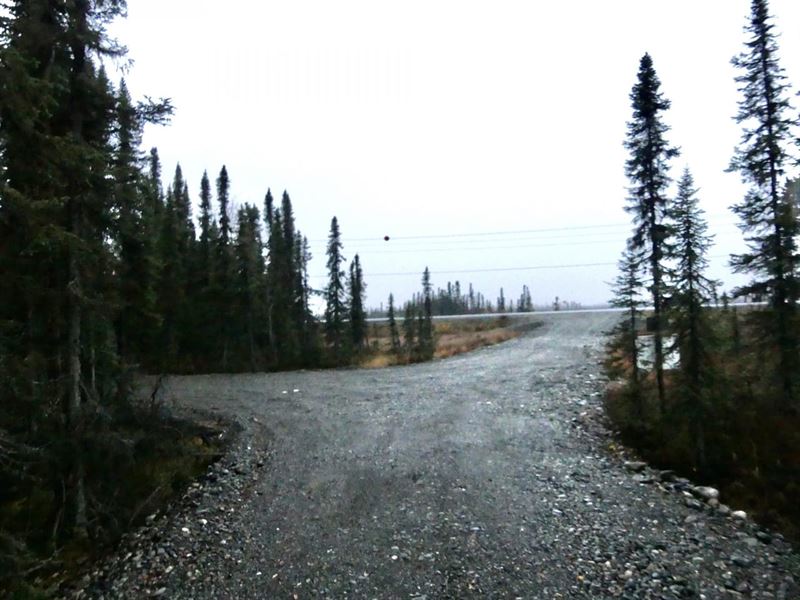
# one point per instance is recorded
(386, 238)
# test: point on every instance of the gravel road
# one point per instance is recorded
(481, 476)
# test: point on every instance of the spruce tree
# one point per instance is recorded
(65, 163)
(249, 303)
(225, 269)
(692, 290)
(628, 288)
(648, 171)
(137, 268)
(394, 334)
(408, 330)
(206, 218)
(335, 307)
(358, 318)
(293, 278)
(768, 220)
(426, 342)
(205, 292)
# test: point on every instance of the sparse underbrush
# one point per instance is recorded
(132, 468)
(739, 440)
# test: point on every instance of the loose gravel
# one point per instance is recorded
(486, 475)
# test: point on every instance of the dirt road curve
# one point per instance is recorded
(471, 477)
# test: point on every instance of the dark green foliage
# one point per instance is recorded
(728, 411)
(623, 349)
(768, 216)
(358, 317)
(426, 342)
(394, 334)
(250, 293)
(409, 343)
(335, 306)
(138, 265)
(287, 320)
(695, 338)
(105, 275)
(648, 171)
(525, 302)
(224, 295)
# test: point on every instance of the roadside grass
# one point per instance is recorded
(451, 338)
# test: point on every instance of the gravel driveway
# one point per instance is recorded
(480, 476)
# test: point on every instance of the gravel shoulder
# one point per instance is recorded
(479, 476)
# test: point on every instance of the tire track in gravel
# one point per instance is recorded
(471, 477)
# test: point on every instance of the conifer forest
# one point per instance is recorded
(730, 409)
(116, 269)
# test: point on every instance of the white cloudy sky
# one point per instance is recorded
(430, 120)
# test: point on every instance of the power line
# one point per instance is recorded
(485, 248)
(405, 243)
(454, 237)
(448, 248)
(497, 269)
(482, 233)
(492, 270)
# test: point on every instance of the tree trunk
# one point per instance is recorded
(78, 496)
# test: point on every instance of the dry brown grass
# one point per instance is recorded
(378, 361)
(452, 338)
(457, 343)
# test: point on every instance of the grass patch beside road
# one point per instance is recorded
(451, 337)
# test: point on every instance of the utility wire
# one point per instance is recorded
(497, 269)
(451, 236)
(404, 249)
(492, 270)
(482, 233)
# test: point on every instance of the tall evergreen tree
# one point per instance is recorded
(692, 290)
(223, 198)
(61, 162)
(335, 307)
(358, 317)
(225, 268)
(394, 335)
(426, 342)
(269, 209)
(768, 220)
(287, 307)
(648, 171)
(137, 269)
(250, 310)
(206, 219)
(205, 292)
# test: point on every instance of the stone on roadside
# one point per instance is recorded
(695, 504)
(634, 465)
(739, 515)
(706, 493)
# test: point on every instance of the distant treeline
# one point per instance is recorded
(451, 300)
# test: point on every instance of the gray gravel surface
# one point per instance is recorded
(481, 476)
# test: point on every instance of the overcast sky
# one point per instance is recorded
(428, 121)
